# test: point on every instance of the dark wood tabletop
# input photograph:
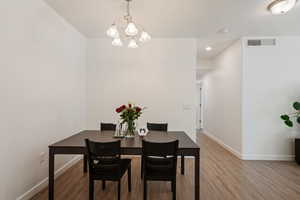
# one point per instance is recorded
(77, 140)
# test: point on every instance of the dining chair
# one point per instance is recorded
(157, 127)
(103, 127)
(107, 126)
(163, 127)
(106, 164)
(160, 163)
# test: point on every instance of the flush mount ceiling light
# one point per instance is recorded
(127, 30)
(279, 7)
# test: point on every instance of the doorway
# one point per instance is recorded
(199, 107)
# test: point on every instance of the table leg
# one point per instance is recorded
(197, 176)
(85, 163)
(182, 165)
(51, 175)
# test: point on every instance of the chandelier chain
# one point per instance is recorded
(128, 8)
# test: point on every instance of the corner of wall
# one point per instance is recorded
(242, 93)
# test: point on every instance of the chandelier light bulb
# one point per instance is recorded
(131, 29)
(145, 37)
(279, 7)
(132, 44)
(117, 42)
(113, 31)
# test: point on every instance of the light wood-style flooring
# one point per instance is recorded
(223, 177)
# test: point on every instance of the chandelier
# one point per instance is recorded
(128, 31)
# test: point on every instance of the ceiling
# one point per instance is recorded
(201, 19)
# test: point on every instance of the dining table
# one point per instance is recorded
(75, 145)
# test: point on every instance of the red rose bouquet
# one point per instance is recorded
(129, 114)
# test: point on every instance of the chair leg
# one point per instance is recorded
(119, 189)
(91, 189)
(182, 165)
(103, 184)
(85, 163)
(174, 189)
(145, 189)
(129, 178)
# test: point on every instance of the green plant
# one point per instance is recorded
(287, 117)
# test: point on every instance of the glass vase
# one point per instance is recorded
(131, 127)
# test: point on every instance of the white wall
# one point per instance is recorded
(42, 89)
(204, 63)
(160, 75)
(271, 84)
(222, 93)
(204, 66)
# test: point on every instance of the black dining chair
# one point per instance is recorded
(106, 164)
(103, 127)
(163, 127)
(160, 163)
(107, 126)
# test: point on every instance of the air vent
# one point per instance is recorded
(262, 42)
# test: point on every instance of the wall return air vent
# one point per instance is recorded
(261, 42)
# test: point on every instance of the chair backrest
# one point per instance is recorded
(107, 127)
(160, 156)
(103, 156)
(157, 127)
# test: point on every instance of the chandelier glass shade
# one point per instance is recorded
(113, 31)
(131, 29)
(127, 30)
(132, 44)
(117, 42)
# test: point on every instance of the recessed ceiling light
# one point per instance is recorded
(208, 48)
(279, 7)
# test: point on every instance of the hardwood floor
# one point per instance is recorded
(223, 177)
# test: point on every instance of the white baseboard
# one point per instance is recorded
(250, 156)
(44, 183)
(268, 157)
(230, 149)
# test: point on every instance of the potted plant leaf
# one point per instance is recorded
(289, 121)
